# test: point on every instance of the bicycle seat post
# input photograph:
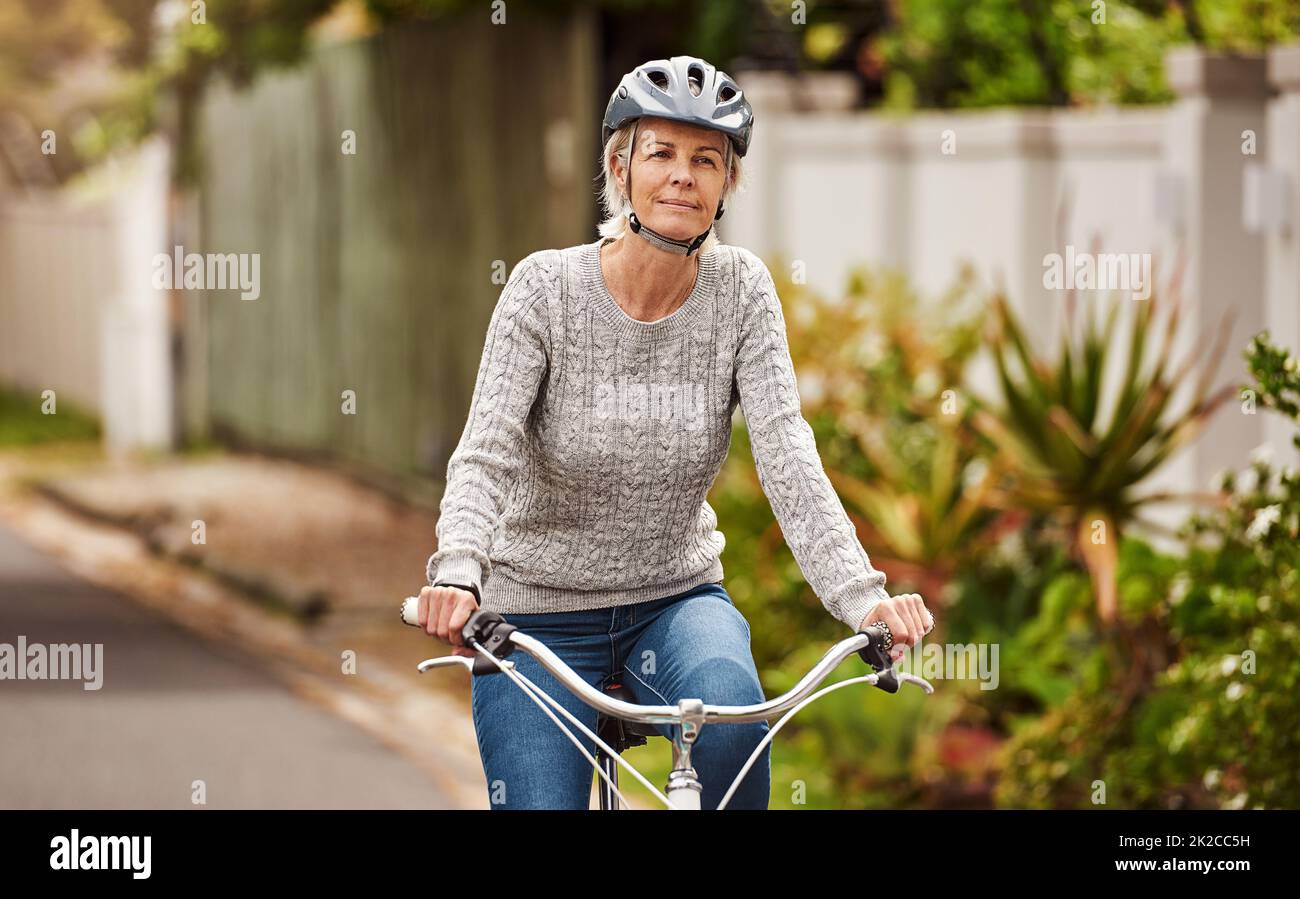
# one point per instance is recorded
(684, 788)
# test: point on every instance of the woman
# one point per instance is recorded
(575, 501)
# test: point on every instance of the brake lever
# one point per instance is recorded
(875, 655)
(445, 662)
(923, 684)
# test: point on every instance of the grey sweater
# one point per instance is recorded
(593, 438)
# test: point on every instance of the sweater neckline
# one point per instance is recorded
(627, 326)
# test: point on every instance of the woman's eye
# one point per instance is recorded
(708, 159)
(659, 153)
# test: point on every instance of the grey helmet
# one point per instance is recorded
(683, 89)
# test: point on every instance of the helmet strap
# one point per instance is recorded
(726, 173)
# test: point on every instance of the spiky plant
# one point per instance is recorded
(1063, 456)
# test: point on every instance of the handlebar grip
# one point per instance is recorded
(411, 611)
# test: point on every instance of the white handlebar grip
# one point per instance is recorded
(411, 611)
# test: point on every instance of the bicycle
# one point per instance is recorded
(623, 723)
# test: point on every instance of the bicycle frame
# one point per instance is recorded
(687, 717)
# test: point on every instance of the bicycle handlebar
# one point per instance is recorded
(489, 633)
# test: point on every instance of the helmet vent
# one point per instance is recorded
(726, 94)
(695, 78)
(658, 79)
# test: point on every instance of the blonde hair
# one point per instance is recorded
(617, 205)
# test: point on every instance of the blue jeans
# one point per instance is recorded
(691, 645)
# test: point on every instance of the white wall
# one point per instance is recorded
(56, 265)
(78, 311)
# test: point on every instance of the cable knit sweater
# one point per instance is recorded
(579, 481)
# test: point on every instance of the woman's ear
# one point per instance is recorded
(620, 175)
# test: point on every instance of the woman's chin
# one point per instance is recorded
(678, 227)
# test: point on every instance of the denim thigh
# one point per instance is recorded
(699, 647)
(528, 761)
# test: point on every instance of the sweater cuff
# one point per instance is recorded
(857, 603)
(456, 570)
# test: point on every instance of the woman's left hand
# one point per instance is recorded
(906, 617)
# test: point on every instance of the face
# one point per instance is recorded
(677, 176)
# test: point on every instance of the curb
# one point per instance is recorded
(308, 606)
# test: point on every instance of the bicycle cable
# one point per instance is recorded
(520, 680)
(776, 727)
(609, 750)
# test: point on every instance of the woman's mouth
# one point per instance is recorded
(679, 204)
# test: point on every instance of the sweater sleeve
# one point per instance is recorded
(487, 460)
(812, 518)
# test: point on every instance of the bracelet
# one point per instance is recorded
(467, 587)
(889, 637)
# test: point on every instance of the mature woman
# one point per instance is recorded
(575, 500)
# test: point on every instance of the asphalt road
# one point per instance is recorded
(172, 710)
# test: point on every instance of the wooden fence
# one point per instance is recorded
(474, 146)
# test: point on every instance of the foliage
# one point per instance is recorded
(1277, 374)
(951, 53)
(881, 376)
(1140, 706)
(1212, 718)
(873, 363)
(147, 50)
(1061, 454)
(1020, 594)
(22, 422)
(36, 37)
(1247, 26)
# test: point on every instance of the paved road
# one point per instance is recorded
(172, 709)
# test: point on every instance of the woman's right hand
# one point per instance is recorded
(906, 617)
(443, 612)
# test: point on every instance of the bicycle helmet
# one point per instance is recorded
(683, 89)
